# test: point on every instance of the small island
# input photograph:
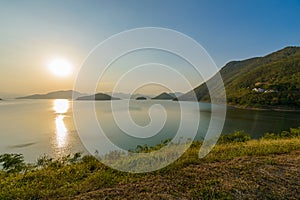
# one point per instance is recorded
(141, 98)
(164, 96)
(98, 97)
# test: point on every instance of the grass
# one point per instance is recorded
(267, 168)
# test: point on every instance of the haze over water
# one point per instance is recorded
(37, 127)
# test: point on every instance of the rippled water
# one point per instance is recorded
(36, 127)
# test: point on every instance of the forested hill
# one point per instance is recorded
(269, 81)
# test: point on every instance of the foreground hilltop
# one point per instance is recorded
(264, 82)
(237, 168)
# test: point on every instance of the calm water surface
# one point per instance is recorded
(37, 127)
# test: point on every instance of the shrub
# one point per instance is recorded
(294, 132)
(44, 161)
(12, 162)
(237, 136)
(271, 136)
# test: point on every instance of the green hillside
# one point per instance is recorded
(272, 81)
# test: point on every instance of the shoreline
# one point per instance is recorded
(285, 109)
(278, 109)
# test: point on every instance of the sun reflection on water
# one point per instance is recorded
(61, 106)
(61, 131)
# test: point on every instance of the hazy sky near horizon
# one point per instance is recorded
(33, 32)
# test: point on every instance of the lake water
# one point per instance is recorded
(37, 127)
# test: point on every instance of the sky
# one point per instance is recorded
(34, 32)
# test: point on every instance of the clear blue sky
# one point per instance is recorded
(229, 30)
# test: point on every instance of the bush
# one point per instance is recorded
(12, 162)
(294, 132)
(44, 161)
(271, 136)
(237, 136)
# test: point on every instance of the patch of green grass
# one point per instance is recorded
(76, 175)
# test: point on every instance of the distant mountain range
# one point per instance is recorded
(121, 95)
(165, 96)
(262, 82)
(98, 97)
(176, 94)
(68, 94)
(135, 96)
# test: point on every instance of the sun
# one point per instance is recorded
(60, 67)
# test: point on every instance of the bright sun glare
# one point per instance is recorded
(60, 67)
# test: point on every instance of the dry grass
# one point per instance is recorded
(255, 169)
(247, 177)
